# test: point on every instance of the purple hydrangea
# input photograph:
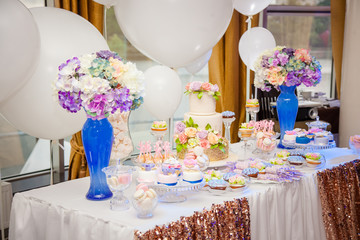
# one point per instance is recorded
(75, 61)
(214, 88)
(202, 134)
(180, 127)
(195, 86)
(122, 100)
(71, 101)
(106, 54)
(289, 51)
(98, 107)
(283, 59)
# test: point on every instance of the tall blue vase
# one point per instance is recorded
(287, 108)
(97, 137)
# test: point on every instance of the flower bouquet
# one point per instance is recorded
(199, 88)
(188, 136)
(286, 66)
(101, 83)
(285, 69)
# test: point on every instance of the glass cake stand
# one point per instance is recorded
(172, 194)
(310, 146)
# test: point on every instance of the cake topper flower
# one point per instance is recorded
(200, 88)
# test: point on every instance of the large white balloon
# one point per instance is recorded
(163, 91)
(199, 63)
(250, 7)
(253, 42)
(174, 33)
(19, 46)
(33, 108)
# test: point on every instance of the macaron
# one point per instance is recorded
(139, 194)
(142, 186)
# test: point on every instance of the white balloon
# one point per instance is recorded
(163, 91)
(174, 33)
(250, 7)
(33, 109)
(107, 3)
(19, 46)
(199, 63)
(253, 42)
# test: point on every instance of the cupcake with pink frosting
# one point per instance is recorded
(354, 143)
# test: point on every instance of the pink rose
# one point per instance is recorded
(213, 139)
(190, 132)
(204, 143)
(206, 86)
(183, 138)
(187, 87)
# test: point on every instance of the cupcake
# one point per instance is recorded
(237, 181)
(159, 126)
(218, 184)
(228, 175)
(277, 161)
(296, 160)
(251, 172)
(283, 155)
(313, 158)
(228, 114)
(246, 129)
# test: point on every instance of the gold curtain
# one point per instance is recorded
(229, 72)
(337, 36)
(94, 13)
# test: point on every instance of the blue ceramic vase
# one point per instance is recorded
(287, 108)
(97, 137)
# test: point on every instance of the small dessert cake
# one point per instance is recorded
(354, 143)
(228, 175)
(228, 114)
(191, 171)
(251, 172)
(242, 165)
(218, 184)
(313, 158)
(159, 126)
(290, 136)
(277, 161)
(167, 176)
(258, 165)
(247, 129)
(295, 160)
(214, 174)
(302, 139)
(252, 103)
(147, 173)
(237, 181)
(321, 140)
(283, 155)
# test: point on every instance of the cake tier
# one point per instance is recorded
(204, 106)
(215, 120)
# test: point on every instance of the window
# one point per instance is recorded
(141, 119)
(305, 24)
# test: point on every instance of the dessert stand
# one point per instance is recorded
(310, 146)
(173, 194)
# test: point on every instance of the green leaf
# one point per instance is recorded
(177, 141)
(200, 94)
(221, 147)
(216, 98)
(187, 124)
(214, 146)
(191, 122)
(196, 125)
(179, 147)
(207, 127)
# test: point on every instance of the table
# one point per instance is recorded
(278, 211)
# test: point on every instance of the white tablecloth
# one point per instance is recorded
(278, 211)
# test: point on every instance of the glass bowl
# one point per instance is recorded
(118, 178)
(144, 206)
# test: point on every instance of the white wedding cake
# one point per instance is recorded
(202, 111)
